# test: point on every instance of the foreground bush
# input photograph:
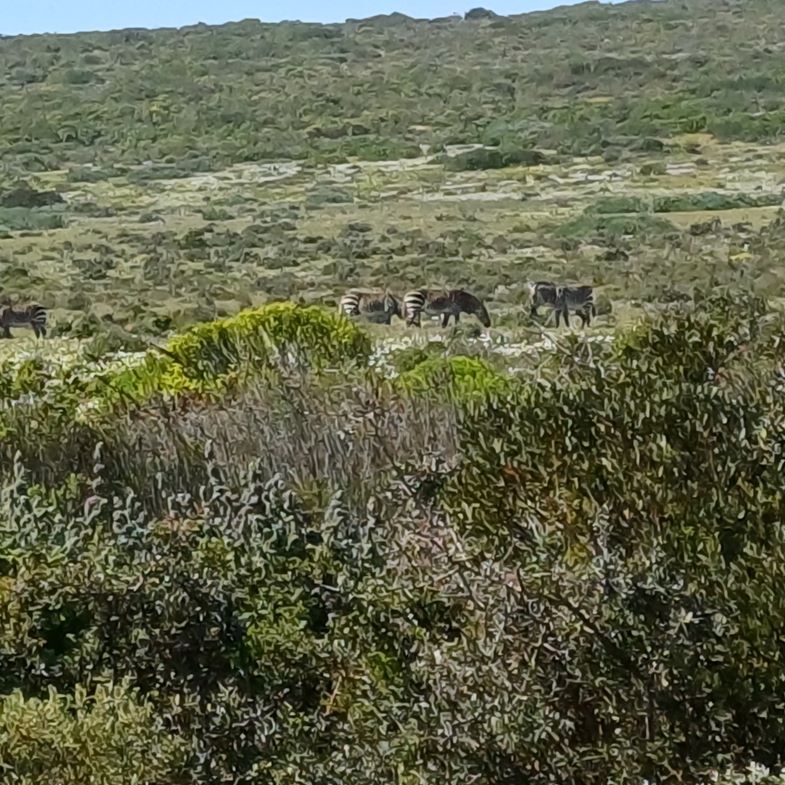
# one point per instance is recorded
(578, 582)
(462, 378)
(210, 356)
(107, 738)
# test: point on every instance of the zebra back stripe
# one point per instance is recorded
(576, 297)
(376, 304)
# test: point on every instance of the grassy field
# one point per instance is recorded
(164, 253)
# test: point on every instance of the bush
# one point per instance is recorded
(21, 218)
(644, 469)
(210, 356)
(713, 201)
(463, 378)
(609, 227)
(110, 737)
(321, 196)
(25, 196)
(608, 205)
(489, 158)
(595, 549)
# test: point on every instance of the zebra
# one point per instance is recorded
(444, 303)
(563, 299)
(374, 305)
(32, 315)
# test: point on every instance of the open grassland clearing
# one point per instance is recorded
(159, 252)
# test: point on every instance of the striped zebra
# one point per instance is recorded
(444, 303)
(32, 315)
(373, 305)
(563, 299)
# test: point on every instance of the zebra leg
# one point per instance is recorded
(6, 331)
(445, 319)
(566, 314)
(457, 317)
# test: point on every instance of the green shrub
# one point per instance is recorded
(78, 76)
(24, 219)
(26, 379)
(653, 169)
(109, 737)
(322, 196)
(409, 357)
(489, 158)
(463, 378)
(608, 227)
(713, 201)
(608, 205)
(208, 357)
(23, 195)
(89, 174)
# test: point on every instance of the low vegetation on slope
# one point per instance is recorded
(577, 79)
(567, 575)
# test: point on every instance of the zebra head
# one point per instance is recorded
(393, 305)
(482, 314)
(470, 303)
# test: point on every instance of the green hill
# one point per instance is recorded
(168, 176)
(376, 88)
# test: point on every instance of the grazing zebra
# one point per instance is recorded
(444, 303)
(371, 304)
(579, 299)
(563, 299)
(32, 315)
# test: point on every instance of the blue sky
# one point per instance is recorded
(67, 16)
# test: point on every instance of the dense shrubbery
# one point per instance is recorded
(105, 736)
(485, 158)
(577, 580)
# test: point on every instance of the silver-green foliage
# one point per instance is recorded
(587, 591)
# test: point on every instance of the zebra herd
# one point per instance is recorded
(380, 306)
(563, 299)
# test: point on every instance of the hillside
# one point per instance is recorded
(377, 88)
